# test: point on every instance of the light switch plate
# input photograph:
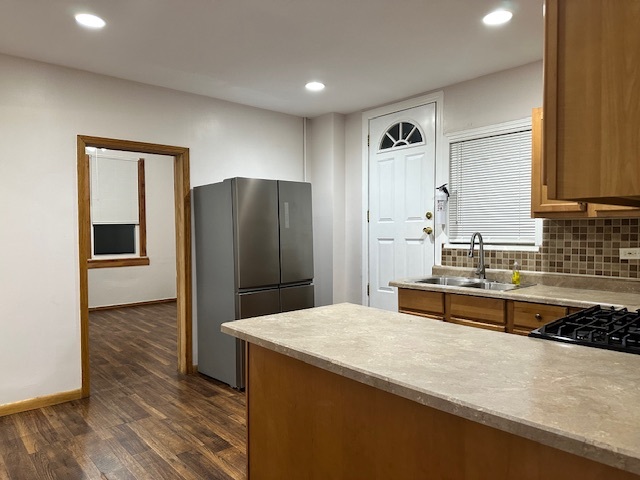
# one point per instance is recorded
(630, 254)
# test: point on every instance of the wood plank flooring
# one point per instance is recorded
(143, 420)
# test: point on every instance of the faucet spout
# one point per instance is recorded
(480, 271)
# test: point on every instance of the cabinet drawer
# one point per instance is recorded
(483, 309)
(428, 304)
(534, 315)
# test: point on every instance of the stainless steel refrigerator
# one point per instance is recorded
(254, 256)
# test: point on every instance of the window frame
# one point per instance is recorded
(123, 260)
(416, 126)
(476, 133)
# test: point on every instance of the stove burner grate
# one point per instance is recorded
(610, 328)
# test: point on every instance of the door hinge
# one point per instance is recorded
(368, 140)
(367, 289)
(367, 216)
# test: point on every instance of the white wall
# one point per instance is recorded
(156, 281)
(42, 110)
(354, 209)
(494, 98)
(325, 171)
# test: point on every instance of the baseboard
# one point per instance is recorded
(135, 304)
(39, 402)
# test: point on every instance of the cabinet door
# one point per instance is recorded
(592, 100)
(480, 312)
(541, 205)
(603, 211)
(422, 303)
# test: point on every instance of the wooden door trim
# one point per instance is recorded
(182, 196)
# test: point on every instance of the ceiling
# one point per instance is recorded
(262, 52)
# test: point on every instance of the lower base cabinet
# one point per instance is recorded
(304, 422)
(524, 316)
(481, 312)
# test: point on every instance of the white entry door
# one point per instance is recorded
(401, 192)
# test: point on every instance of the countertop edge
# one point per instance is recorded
(603, 453)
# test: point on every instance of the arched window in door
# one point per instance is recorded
(401, 134)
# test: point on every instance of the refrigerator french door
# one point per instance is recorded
(254, 256)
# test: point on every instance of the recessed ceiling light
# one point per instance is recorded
(497, 17)
(314, 86)
(90, 21)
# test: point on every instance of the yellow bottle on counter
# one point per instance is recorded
(515, 276)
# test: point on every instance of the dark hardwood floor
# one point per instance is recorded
(143, 419)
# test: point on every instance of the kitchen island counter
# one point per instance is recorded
(575, 399)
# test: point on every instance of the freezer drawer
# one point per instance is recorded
(296, 298)
(255, 304)
(296, 233)
(252, 304)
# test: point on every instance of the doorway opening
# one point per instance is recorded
(182, 216)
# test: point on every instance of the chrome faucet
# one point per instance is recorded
(480, 270)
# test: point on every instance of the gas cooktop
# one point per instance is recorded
(610, 328)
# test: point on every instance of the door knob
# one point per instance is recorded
(427, 230)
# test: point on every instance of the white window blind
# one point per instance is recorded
(114, 190)
(490, 180)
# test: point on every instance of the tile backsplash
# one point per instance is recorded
(580, 247)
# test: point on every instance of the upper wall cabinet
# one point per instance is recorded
(541, 205)
(592, 100)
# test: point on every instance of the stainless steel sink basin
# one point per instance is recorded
(470, 283)
(496, 286)
(451, 281)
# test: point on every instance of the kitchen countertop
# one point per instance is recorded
(578, 399)
(549, 294)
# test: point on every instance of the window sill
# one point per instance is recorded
(117, 262)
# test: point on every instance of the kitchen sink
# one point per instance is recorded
(471, 283)
(496, 286)
(451, 281)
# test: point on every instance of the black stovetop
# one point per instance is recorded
(610, 328)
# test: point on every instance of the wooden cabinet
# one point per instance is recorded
(495, 314)
(543, 207)
(421, 302)
(480, 312)
(525, 316)
(307, 422)
(592, 101)
(603, 211)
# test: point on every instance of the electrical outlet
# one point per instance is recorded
(630, 254)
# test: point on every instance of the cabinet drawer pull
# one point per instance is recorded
(538, 316)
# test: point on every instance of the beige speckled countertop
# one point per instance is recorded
(578, 399)
(562, 292)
